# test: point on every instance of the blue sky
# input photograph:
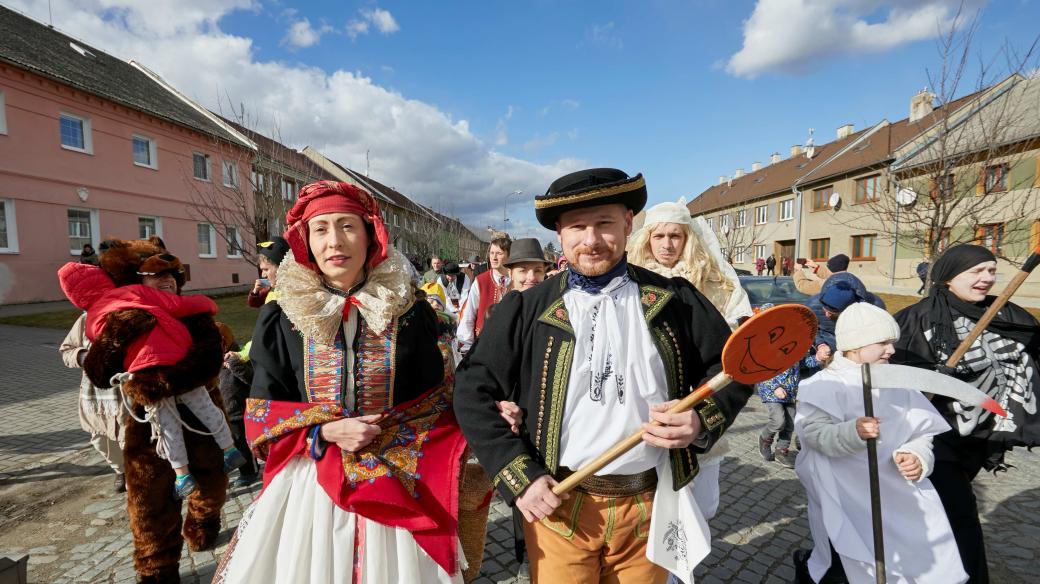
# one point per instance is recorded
(460, 103)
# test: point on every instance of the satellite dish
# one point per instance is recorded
(906, 197)
(834, 201)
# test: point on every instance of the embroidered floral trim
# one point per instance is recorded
(560, 379)
(556, 315)
(714, 419)
(514, 474)
(653, 300)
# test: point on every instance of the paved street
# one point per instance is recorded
(760, 523)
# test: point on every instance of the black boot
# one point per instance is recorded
(119, 485)
(765, 448)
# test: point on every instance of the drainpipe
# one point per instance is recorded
(895, 239)
(797, 223)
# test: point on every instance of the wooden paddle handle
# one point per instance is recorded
(700, 394)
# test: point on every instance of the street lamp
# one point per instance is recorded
(505, 204)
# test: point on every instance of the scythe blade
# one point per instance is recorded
(888, 376)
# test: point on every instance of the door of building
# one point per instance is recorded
(784, 249)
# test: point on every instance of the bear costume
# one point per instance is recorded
(154, 510)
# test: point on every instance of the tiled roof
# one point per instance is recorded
(281, 154)
(32, 46)
(778, 178)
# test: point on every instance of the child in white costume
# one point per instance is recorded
(919, 545)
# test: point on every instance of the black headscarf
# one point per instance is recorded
(944, 306)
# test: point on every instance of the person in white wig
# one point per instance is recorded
(674, 244)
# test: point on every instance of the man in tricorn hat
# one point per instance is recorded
(594, 354)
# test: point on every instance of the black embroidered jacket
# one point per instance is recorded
(525, 354)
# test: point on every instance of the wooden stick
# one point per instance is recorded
(875, 484)
(700, 394)
(1012, 287)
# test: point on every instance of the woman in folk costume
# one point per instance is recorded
(833, 467)
(1002, 363)
(672, 243)
(351, 408)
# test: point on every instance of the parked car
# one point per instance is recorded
(742, 272)
(766, 291)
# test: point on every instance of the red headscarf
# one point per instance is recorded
(328, 196)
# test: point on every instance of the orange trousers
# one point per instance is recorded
(594, 540)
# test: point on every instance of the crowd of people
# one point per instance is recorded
(384, 408)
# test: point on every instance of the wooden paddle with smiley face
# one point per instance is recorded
(765, 346)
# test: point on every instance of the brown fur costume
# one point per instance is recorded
(155, 514)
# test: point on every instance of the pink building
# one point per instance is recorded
(92, 147)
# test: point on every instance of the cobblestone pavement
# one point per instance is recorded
(761, 519)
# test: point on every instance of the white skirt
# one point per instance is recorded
(294, 533)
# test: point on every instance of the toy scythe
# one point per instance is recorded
(886, 376)
(766, 345)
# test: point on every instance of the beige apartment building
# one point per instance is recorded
(890, 195)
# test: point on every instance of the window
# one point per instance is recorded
(259, 182)
(230, 174)
(761, 214)
(207, 240)
(288, 190)
(83, 226)
(3, 116)
(274, 227)
(149, 226)
(944, 240)
(760, 251)
(75, 133)
(711, 223)
(868, 189)
(741, 255)
(942, 187)
(991, 237)
(820, 249)
(200, 165)
(821, 198)
(724, 222)
(863, 247)
(8, 227)
(996, 178)
(234, 241)
(742, 218)
(144, 152)
(786, 209)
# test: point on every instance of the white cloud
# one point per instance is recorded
(793, 36)
(604, 35)
(424, 152)
(302, 35)
(539, 142)
(502, 128)
(378, 18)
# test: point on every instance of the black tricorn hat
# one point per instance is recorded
(450, 268)
(525, 250)
(588, 188)
(274, 250)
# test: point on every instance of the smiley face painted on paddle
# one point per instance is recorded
(769, 343)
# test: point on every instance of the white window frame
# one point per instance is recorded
(259, 182)
(237, 238)
(742, 218)
(711, 223)
(761, 214)
(760, 251)
(88, 140)
(95, 228)
(212, 240)
(3, 114)
(725, 221)
(12, 226)
(158, 224)
(288, 195)
(741, 255)
(209, 166)
(789, 205)
(152, 152)
(230, 173)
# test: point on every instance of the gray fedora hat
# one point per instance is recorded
(526, 250)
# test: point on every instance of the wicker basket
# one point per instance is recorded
(474, 504)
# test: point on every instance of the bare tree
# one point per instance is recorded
(738, 233)
(965, 177)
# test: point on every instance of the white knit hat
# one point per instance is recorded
(863, 324)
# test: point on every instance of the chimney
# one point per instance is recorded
(722, 179)
(796, 150)
(846, 131)
(774, 158)
(756, 166)
(739, 173)
(921, 104)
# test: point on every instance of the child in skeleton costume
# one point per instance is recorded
(675, 245)
(919, 545)
(351, 409)
(594, 354)
(1002, 362)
